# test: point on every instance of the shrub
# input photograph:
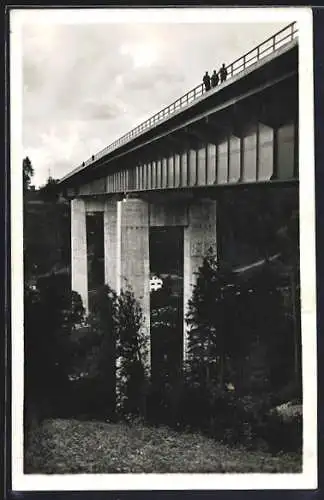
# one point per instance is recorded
(131, 355)
(166, 340)
(211, 321)
(51, 312)
(240, 336)
(102, 335)
(283, 434)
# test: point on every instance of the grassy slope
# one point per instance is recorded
(66, 446)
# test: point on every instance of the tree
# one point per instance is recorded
(49, 191)
(288, 236)
(209, 318)
(234, 320)
(50, 312)
(28, 172)
(131, 354)
(102, 324)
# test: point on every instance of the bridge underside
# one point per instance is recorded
(253, 139)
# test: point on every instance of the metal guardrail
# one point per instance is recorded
(270, 45)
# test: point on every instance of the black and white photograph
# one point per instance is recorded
(163, 304)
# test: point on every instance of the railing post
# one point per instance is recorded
(274, 42)
(292, 28)
(258, 52)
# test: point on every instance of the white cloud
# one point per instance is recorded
(142, 54)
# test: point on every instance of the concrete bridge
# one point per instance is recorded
(171, 170)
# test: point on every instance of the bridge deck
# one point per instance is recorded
(271, 48)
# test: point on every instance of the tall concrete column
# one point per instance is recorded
(111, 235)
(199, 236)
(134, 253)
(79, 264)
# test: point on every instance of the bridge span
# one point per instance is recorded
(183, 167)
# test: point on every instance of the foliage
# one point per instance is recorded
(262, 223)
(110, 356)
(28, 172)
(282, 434)
(240, 355)
(132, 355)
(239, 330)
(102, 334)
(70, 446)
(46, 227)
(46, 237)
(248, 420)
(71, 359)
(49, 191)
(166, 349)
(52, 312)
(210, 318)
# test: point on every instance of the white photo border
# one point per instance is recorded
(307, 479)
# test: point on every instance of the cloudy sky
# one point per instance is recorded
(84, 85)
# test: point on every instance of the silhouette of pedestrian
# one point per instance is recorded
(206, 81)
(223, 73)
(214, 79)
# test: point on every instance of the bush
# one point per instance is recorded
(166, 340)
(131, 356)
(246, 420)
(241, 337)
(282, 434)
(71, 369)
(88, 399)
(51, 312)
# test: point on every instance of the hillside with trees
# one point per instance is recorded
(46, 227)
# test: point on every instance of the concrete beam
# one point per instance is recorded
(168, 214)
(94, 205)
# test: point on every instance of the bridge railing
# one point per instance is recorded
(268, 46)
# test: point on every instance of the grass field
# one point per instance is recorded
(71, 446)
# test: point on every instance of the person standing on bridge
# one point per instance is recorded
(223, 73)
(214, 79)
(206, 81)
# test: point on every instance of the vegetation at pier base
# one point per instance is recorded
(241, 358)
(240, 339)
(51, 312)
(132, 352)
(70, 368)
